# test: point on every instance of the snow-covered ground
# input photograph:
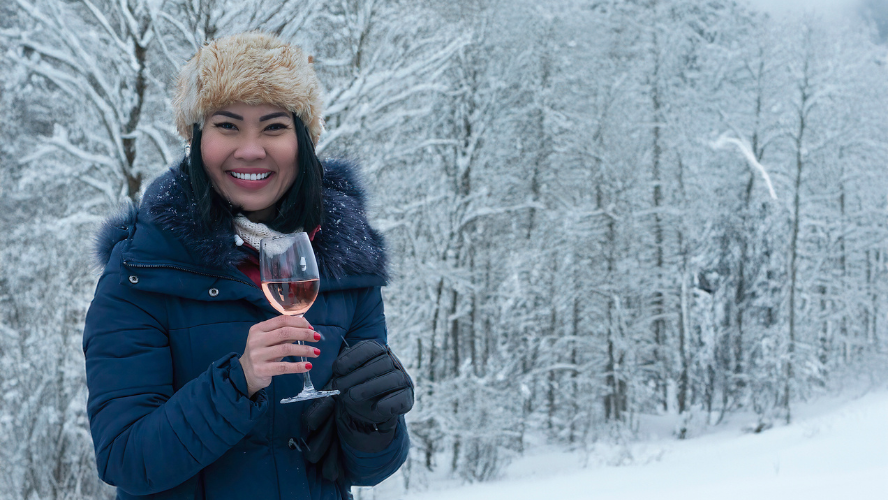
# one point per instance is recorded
(836, 448)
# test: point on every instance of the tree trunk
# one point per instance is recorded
(793, 248)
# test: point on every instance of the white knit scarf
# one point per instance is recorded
(246, 231)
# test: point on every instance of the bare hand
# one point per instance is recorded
(271, 341)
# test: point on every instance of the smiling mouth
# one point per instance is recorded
(250, 177)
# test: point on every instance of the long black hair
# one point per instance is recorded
(301, 206)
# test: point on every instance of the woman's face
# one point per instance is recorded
(249, 153)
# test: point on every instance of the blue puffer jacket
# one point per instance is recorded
(168, 405)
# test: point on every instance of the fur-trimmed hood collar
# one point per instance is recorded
(346, 245)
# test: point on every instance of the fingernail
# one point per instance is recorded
(308, 366)
(311, 327)
(317, 352)
(317, 336)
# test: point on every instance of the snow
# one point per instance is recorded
(836, 448)
(820, 6)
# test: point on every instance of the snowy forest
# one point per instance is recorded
(594, 209)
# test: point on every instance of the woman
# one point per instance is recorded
(186, 360)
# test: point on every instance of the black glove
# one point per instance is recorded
(375, 391)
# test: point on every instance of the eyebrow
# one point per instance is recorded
(228, 114)
(273, 115)
(261, 119)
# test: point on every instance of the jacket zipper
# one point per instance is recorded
(158, 266)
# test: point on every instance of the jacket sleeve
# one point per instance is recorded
(368, 469)
(147, 437)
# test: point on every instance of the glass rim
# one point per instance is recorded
(283, 237)
(291, 235)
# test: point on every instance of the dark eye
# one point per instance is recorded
(225, 126)
(277, 126)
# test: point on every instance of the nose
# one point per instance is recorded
(250, 149)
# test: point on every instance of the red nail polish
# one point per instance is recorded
(311, 327)
(308, 366)
(317, 336)
(317, 351)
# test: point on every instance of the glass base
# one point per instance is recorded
(305, 395)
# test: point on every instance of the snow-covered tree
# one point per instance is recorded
(594, 210)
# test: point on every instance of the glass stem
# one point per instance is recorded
(306, 379)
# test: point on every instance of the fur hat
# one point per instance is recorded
(253, 68)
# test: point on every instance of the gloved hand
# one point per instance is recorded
(375, 391)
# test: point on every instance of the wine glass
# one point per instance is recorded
(290, 280)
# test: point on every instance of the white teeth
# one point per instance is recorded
(250, 177)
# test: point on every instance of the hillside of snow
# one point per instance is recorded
(836, 448)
